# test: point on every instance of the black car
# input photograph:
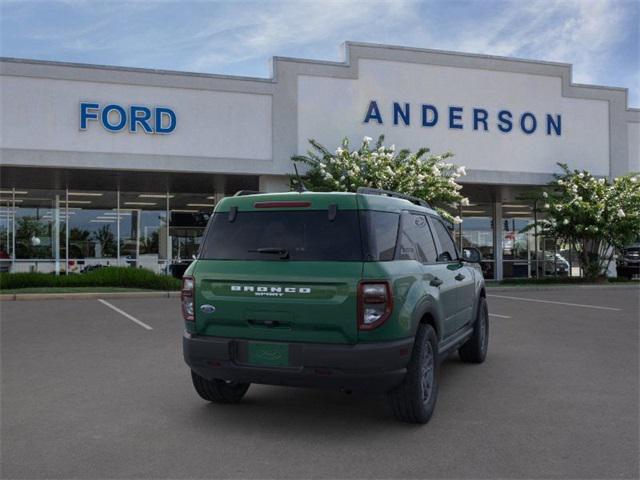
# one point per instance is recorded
(628, 263)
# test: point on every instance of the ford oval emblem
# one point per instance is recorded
(207, 308)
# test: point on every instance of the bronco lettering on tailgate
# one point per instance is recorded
(272, 291)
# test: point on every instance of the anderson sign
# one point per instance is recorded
(460, 118)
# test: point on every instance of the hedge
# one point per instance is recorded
(101, 277)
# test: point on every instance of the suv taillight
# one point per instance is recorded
(375, 303)
(188, 298)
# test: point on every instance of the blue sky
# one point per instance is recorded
(600, 38)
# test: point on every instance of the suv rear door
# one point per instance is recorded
(417, 242)
(460, 276)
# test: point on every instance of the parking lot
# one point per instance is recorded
(92, 391)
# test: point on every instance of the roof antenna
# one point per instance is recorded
(299, 184)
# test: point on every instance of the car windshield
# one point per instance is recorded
(284, 235)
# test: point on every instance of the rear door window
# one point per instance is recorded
(416, 242)
(448, 251)
(276, 235)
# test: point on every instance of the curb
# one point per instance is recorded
(85, 296)
(510, 288)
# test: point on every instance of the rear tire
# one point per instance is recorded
(414, 400)
(475, 349)
(219, 391)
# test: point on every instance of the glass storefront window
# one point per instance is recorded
(518, 240)
(73, 231)
(92, 230)
(476, 231)
(143, 229)
(38, 226)
(189, 216)
(6, 229)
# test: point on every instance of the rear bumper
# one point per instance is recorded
(369, 367)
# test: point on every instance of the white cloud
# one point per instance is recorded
(278, 25)
(581, 32)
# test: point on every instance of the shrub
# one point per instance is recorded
(103, 277)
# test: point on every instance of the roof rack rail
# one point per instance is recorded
(389, 193)
(242, 193)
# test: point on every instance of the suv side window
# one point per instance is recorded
(448, 250)
(416, 242)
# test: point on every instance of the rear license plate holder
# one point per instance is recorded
(268, 354)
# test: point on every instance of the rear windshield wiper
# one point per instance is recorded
(283, 252)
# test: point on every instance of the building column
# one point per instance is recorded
(497, 238)
(274, 183)
(55, 244)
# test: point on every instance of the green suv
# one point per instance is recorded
(353, 291)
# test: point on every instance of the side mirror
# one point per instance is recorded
(472, 255)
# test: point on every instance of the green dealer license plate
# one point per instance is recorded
(269, 354)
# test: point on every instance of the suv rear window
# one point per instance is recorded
(305, 235)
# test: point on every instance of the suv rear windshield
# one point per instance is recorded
(309, 235)
(296, 235)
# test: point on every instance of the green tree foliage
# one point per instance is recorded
(596, 216)
(430, 177)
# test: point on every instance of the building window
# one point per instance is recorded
(92, 230)
(477, 230)
(518, 240)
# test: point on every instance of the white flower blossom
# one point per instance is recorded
(392, 148)
(339, 151)
(621, 213)
(546, 205)
(565, 221)
(367, 139)
(545, 195)
(464, 202)
(560, 182)
(457, 220)
(461, 170)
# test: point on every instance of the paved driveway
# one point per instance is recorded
(89, 393)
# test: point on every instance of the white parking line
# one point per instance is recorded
(499, 316)
(556, 303)
(125, 314)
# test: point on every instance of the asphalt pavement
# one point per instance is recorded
(87, 392)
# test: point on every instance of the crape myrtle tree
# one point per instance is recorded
(420, 174)
(595, 216)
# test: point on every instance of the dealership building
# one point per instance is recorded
(105, 165)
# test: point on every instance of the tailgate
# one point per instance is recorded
(292, 301)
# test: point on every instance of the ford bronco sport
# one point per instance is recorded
(354, 291)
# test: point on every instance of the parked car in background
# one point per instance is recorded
(5, 262)
(628, 263)
(553, 264)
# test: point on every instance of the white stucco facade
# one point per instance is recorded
(328, 107)
(106, 165)
(253, 126)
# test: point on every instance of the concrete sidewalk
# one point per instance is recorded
(87, 295)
